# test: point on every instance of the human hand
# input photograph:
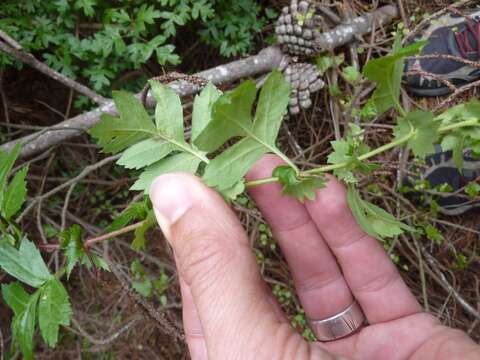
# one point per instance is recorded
(230, 313)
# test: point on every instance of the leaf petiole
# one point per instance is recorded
(379, 150)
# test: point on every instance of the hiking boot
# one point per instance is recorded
(449, 34)
(441, 170)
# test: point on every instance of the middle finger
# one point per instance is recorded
(319, 283)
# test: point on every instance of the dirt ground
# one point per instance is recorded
(111, 321)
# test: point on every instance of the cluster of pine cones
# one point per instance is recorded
(296, 29)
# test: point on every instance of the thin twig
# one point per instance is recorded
(459, 91)
(446, 285)
(108, 339)
(445, 82)
(87, 170)
(90, 242)
(471, 63)
(65, 207)
(161, 321)
(4, 102)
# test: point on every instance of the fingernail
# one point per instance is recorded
(171, 198)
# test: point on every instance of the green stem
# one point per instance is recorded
(381, 149)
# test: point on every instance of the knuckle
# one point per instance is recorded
(317, 280)
(379, 282)
(333, 203)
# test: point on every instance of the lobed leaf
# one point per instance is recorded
(229, 167)
(300, 188)
(179, 162)
(25, 264)
(6, 164)
(134, 124)
(168, 111)
(23, 326)
(387, 72)
(375, 221)
(271, 108)
(15, 194)
(145, 153)
(202, 109)
(53, 310)
(425, 131)
(15, 296)
(231, 117)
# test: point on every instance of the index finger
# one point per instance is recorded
(372, 277)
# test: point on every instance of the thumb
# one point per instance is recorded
(234, 305)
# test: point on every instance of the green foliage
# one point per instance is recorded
(75, 252)
(472, 190)
(147, 285)
(298, 187)
(98, 40)
(160, 148)
(232, 118)
(423, 130)
(48, 306)
(49, 303)
(387, 73)
(374, 220)
(13, 194)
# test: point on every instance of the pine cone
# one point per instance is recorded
(305, 79)
(297, 27)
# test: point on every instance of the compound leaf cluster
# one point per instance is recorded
(160, 147)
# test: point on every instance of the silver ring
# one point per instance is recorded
(340, 325)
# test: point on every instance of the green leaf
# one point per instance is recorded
(387, 72)
(53, 310)
(298, 188)
(99, 262)
(425, 131)
(229, 167)
(25, 264)
(375, 221)
(144, 287)
(116, 134)
(231, 117)
(454, 142)
(135, 211)
(179, 162)
(23, 326)
(139, 240)
(145, 153)
(73, 247)
(271, 108)
(168, 111)
(6, 163)
(233, 192)
(15, 194)
(465, 111)
(472, 190)
(202, 109)
(15, 296)
(433, 234)
(351, 74)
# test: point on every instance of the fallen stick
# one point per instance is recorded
(267, 60)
